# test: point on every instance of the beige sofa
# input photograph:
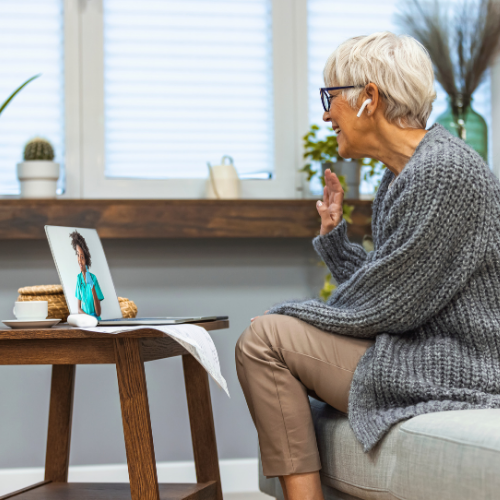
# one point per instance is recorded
(439, 456)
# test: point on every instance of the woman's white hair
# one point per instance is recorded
(401, 68)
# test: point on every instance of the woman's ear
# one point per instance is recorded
(363, 106)
(372, 93)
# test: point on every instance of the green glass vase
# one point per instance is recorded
(470, 126)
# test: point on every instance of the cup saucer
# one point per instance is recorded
(31, 323)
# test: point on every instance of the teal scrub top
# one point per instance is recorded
(84, 294)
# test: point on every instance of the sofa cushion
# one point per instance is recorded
(344, 464)
(456, 452)
(451, 455)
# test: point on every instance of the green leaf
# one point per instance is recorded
(6, 103)
(308, 170)
(343, 182)
(347, 210)
(328, 287)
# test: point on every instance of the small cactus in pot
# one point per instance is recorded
(38, 149)
(38, 173)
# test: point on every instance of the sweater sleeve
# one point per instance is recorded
(433, 234)
(341, 257)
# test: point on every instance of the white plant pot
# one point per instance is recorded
(38, 178)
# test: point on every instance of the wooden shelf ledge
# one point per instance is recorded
(25, 219)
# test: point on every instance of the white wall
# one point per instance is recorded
(240, 278)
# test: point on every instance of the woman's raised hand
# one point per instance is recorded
(330, 209)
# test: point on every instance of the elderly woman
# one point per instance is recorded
(414, 326)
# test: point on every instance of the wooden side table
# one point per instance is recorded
(64, 347)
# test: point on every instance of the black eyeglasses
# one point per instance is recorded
(325, 96)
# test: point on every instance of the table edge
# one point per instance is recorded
(68, 332)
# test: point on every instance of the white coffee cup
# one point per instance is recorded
(30, 311)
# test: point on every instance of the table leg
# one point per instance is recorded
(60, 416)
(202, 422)
(136, 421)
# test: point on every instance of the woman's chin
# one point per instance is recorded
(342, 149)
(343, 152)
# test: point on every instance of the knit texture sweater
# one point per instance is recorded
(429, 293)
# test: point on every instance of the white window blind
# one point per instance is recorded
(31, 42)
(186, 83)
(330, 22)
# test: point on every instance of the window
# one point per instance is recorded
(137, 97)
(169, 86)
(186, 83)
(332, 22)
(31, 42)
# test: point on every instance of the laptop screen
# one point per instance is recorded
(83, 271)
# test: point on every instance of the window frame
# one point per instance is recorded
(72, 103)
(286, 181)
(84, 113)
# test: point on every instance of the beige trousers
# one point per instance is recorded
(281, 360)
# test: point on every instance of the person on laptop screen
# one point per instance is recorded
(88, 291)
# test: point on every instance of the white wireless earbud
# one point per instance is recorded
(363, 106)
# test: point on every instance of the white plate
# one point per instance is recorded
(34, 323)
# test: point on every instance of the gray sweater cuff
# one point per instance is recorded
(342, 257)
(338, 233)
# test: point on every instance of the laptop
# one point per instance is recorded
(87, 283)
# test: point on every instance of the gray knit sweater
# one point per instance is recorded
(429, 294)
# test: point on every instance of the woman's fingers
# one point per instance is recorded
(335, 190)
(328, 185)
(333, 194)
(330, 209)
(333, 182)
(322, 209)
(328, 219)
(338, 199)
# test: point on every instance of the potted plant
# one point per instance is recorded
(325, 152)
(38, 173)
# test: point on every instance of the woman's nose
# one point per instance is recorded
(326, 117)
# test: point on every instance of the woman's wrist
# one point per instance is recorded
(329, 228)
